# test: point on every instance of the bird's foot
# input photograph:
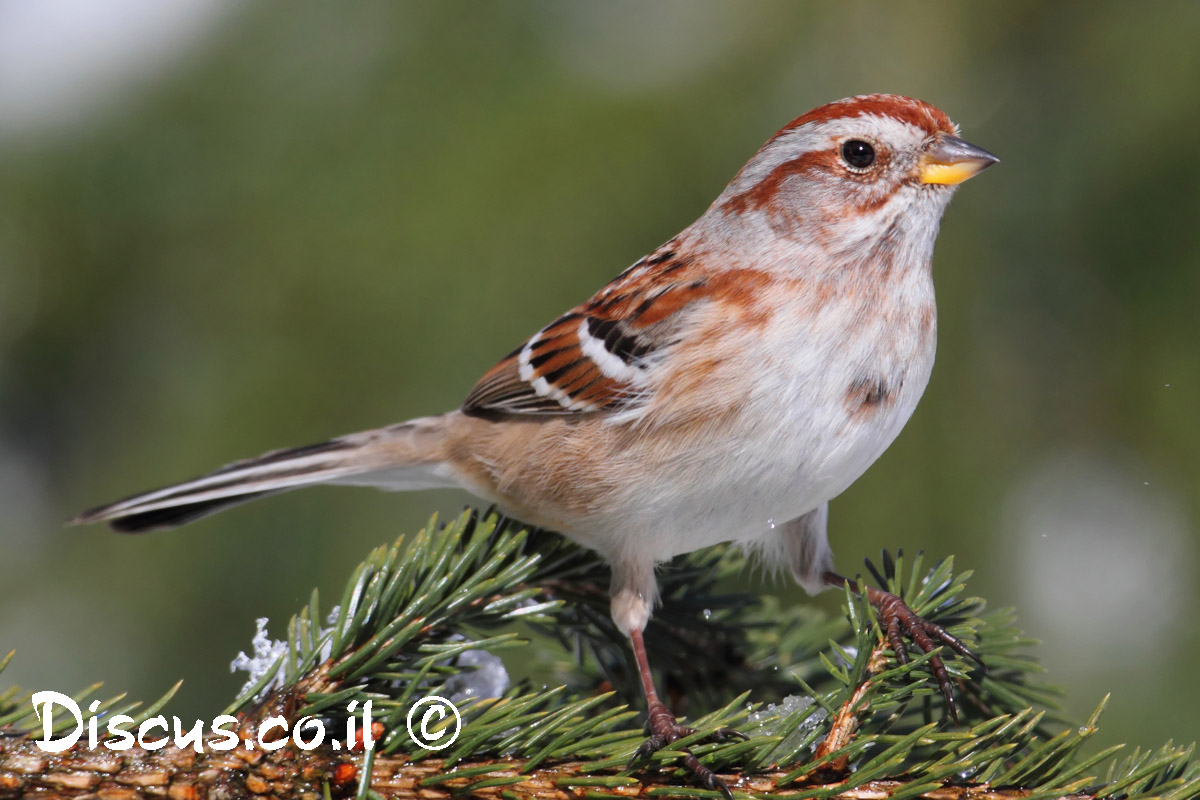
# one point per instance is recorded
(663, 730)
(899, 621)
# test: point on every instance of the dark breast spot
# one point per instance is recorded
(867, 393)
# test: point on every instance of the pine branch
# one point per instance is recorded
(829, 710)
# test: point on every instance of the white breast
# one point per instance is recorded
(797, 439)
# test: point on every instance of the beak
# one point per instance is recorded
(949, 160)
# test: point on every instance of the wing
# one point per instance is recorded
(597, 357)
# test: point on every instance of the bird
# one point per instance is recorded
(747, 371)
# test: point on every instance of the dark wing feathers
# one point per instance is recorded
(595, 357)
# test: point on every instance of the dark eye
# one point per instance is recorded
(858, 154)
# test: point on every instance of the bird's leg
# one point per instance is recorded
(662, 729)
(898, 620)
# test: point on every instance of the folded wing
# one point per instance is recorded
(600, 355)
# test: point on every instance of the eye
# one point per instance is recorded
(858, 154)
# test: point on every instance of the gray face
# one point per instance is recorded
(842, 187)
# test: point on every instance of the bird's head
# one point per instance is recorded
(854, 172)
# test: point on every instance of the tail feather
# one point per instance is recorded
(405, 456)
(174, 516)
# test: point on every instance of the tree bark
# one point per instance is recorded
(290, 773)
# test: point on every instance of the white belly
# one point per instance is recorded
(799, 441)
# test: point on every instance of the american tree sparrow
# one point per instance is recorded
(747, 371)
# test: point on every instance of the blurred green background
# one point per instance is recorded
(230, 227)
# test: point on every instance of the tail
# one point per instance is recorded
(399, 457)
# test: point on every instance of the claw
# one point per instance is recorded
(662, 730)
(898, 619)
(649, 746)
(725, 734)
(712, 782)
(956, 644)
(896, 640)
